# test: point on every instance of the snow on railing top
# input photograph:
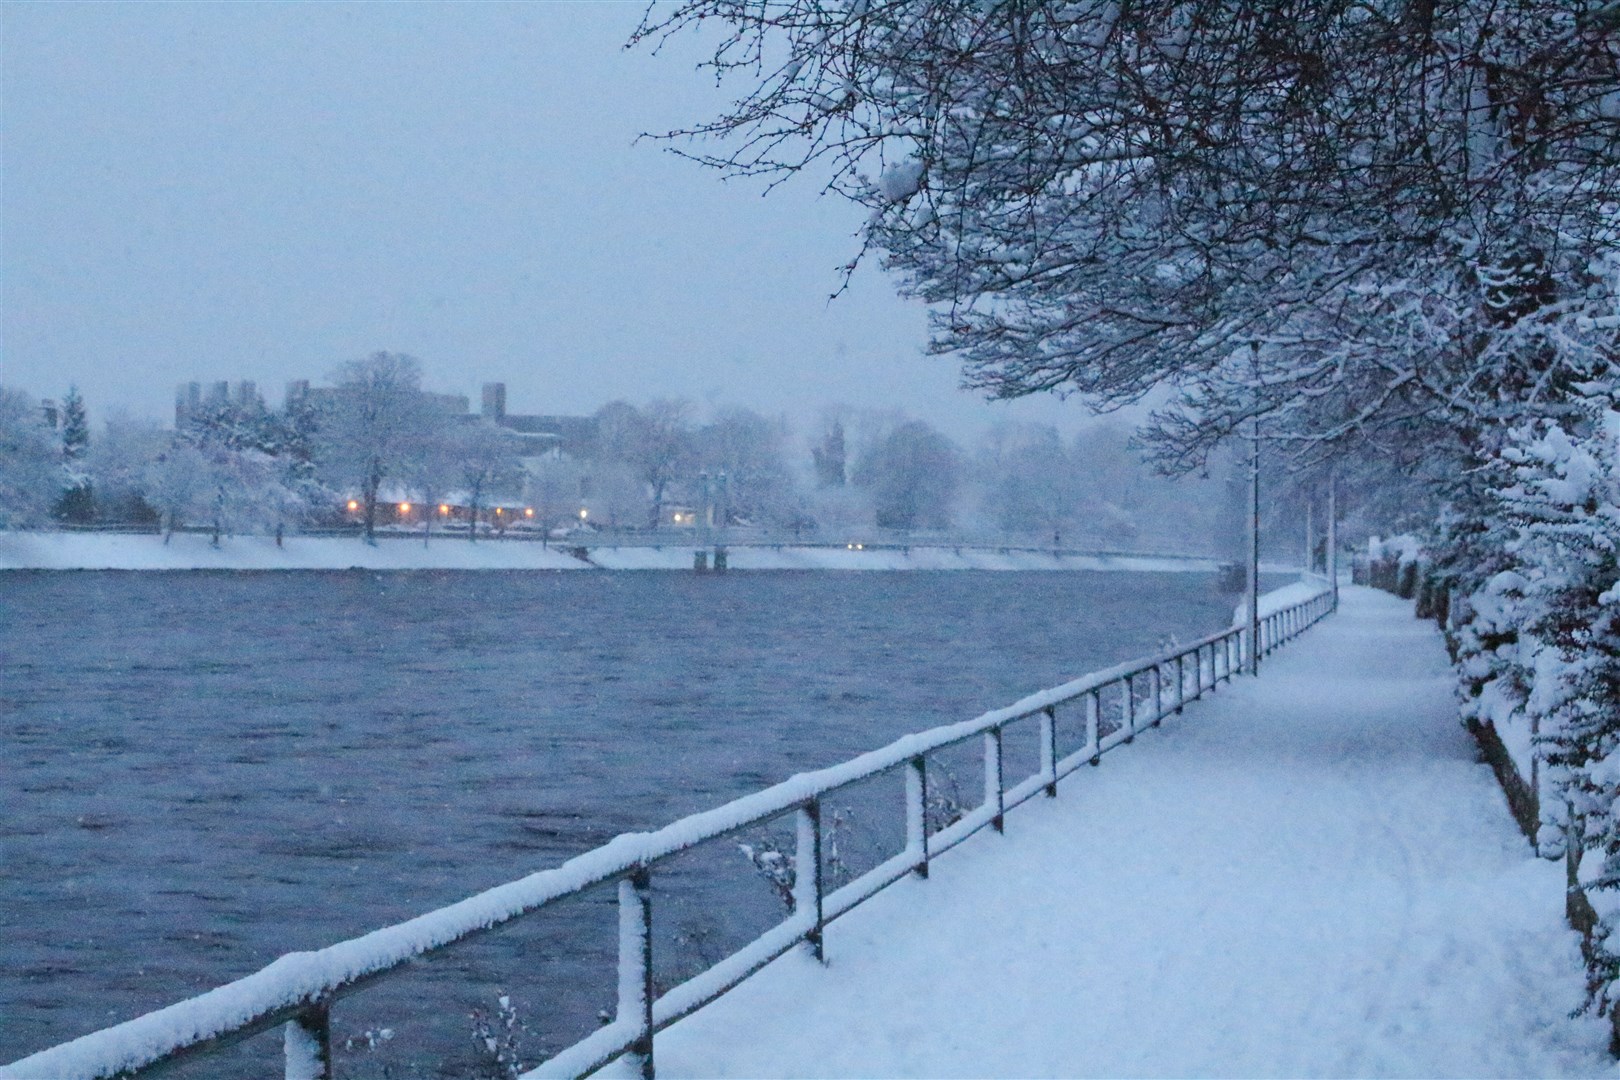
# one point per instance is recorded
(299, 980)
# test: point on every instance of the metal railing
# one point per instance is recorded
(299, 989)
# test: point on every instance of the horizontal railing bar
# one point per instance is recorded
(978, 818)
(223, 1041)
(1119, 737)
(277, 992)
(604, 1045)
(847, 898)
(1025, 790)
(269, 1022)
(590, 1053)
(690, 996)
(1081, 758)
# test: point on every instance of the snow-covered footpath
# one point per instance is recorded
(102, 551)
(1307, 875)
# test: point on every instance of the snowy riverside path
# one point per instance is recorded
(1305, 875)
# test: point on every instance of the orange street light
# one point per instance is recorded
(354, 504)
(444, 508)
(405, 508)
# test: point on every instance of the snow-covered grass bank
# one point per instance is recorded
(1308, 875)
(787, 557)
(103, 551)
(188, 551)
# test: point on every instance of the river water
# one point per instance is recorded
(201, 771)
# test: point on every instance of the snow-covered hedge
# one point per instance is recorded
(1537, 640)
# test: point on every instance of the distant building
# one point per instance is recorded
(574, 436)
(190, 400)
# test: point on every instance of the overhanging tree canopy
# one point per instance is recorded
(1411, 205)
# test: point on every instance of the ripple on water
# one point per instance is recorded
(205, 771)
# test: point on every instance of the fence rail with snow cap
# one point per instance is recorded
(298, 990)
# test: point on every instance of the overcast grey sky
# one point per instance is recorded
(262, 191)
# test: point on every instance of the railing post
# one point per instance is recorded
(1158, 693)
(1049, 749)
(635, 964)
(994, 790)
(807, 883)
(306, 1042)
(1181, 681)
(1127, 709)
(1094, 725)
(917, 814)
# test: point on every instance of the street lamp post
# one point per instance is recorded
(1254, 523)
(1333, 536)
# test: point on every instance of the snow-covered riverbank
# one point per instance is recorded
(103, 551)
(185, 551)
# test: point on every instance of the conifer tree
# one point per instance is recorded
(76, 504)
(75, 426)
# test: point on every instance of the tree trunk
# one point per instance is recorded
(373, 482)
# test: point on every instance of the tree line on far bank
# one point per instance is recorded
(340, 456)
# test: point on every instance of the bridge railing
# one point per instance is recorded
(298, 990)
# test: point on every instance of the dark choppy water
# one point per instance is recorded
(200, 772)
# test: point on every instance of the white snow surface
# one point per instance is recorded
(788, 557)
(1308, 874)
(188, 551)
